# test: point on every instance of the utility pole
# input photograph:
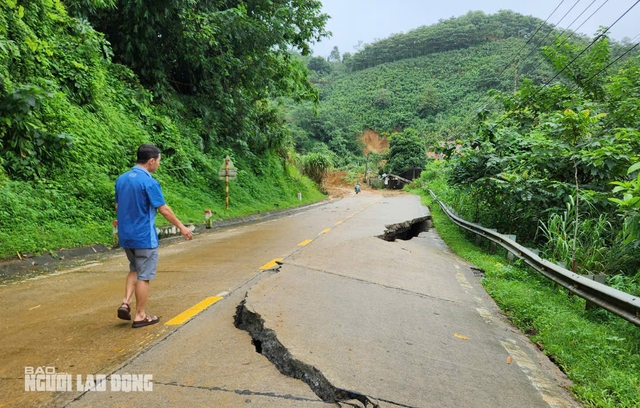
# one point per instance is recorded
(366, 170)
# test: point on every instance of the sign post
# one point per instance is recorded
(227, 172)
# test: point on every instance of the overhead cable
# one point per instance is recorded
(595, 40)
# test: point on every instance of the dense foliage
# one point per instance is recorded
(456, 33)
(74, 107)
(550, 155)
(428, 79)
(545, 169)
(406, 151)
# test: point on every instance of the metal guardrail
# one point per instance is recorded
(620, 303)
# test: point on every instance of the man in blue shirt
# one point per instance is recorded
(138, 197)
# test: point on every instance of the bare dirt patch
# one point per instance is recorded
(373, 142)
(336, 185)
(336, 179)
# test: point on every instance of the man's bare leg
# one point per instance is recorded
(130, 287)
(142, 295)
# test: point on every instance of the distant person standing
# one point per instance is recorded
(138, 196)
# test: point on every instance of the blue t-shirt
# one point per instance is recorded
(138, 195)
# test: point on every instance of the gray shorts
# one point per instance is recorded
(143, 261)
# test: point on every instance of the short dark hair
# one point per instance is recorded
(146, 152)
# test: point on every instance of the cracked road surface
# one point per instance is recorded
(348, 317)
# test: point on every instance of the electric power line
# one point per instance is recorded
(563, 31)
(531, 38)
(581, 52)
(566, 39)
(613, 62)
(535, 48)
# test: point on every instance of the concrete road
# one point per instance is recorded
(361, 321)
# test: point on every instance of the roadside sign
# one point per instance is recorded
(227, 172)
(233, 174)
(228, 169)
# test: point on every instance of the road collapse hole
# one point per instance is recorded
(406, 230)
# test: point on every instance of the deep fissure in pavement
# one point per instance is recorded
(258, 345)
(277, 353)
(406, 230)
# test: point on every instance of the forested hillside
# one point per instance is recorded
(83, 83)
(433, 79)
(456, 33)
(537, 129)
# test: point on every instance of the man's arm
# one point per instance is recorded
(168, 214)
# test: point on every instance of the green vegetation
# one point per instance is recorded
(406, 151)
(82, 84)
(598, 351)
(466, 31)
(546, 167)
(432, 79)
(316, 166)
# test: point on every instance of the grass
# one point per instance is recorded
(51, 217)
(597, 350)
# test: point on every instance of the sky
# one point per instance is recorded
(353, 21)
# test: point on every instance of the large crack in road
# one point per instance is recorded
(266, 342)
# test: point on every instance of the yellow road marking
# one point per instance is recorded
(271, 263)
(192, 311)
(339, 222)
(324, 231)
(303, 243)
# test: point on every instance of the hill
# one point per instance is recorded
(433, 79)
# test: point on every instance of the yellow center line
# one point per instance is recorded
(193, 310)
(271, 263)
(339, 222)
(324, 231)
(303, 243)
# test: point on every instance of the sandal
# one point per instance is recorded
(147, 321)
(124, 312)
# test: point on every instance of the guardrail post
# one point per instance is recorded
(492, 245)
(510, 256)
(600, 279)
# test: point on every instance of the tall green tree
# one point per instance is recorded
(406, 151)
(232, 54)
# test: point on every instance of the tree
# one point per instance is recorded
(316, 166)
(232, 54)
(629, 205)
(406, 151)
(335, 55)
(319, 65)
(584, 69)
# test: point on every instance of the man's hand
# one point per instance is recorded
(168, 214)
(186, 233)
